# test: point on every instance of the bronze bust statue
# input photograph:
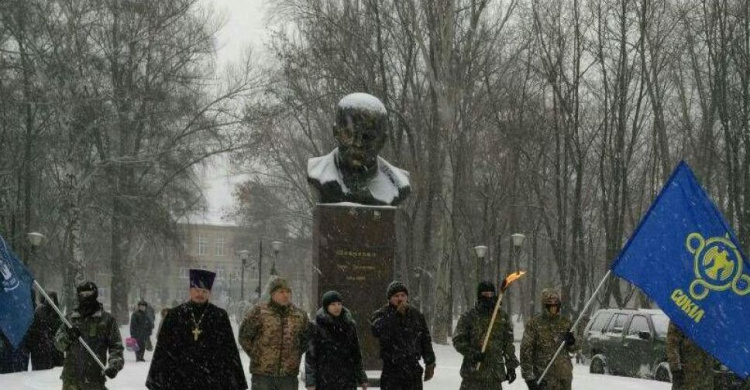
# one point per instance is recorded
(353, 172)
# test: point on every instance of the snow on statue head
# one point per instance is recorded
(354, 172)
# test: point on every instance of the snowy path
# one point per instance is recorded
(133, 377)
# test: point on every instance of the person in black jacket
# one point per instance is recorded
(404, 339)
(195, 349)
(40, 340)
(141, 327)
(334, 359)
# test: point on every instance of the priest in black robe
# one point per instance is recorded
(195, 347)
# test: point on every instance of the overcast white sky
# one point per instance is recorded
(244, 27)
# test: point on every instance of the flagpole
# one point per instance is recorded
(67, 323)
(575, 325)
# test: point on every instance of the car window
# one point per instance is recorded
(638, 324)
(600, 321)
(617, 323)
(661, 324)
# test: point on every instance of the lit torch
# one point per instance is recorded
(503, 286)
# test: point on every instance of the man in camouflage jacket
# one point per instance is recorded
(691, 366)
(100, 331)
(275, 334)
(541, 338)
(499, 359)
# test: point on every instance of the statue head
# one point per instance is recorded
(360, 130)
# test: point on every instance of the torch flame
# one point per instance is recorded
(510, 279)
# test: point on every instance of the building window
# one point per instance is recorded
(220, 246)
(202, 245)
(183, 273)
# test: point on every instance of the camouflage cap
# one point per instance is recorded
(277, 283)
(550, 296)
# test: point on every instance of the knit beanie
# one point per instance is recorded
(277, 283)
(330, 297)
(484, 287)
(395, 287)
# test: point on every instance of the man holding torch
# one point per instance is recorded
(488, 361)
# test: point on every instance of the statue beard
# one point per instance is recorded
(357, 177)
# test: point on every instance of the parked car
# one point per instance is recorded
(633, 343)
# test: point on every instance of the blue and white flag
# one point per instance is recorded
(685, 257)
(16, 307)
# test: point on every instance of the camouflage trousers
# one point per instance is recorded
(558, 383)
(263, 382)
(84, 386)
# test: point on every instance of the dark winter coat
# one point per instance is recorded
(499, 355)
(334, 359)
(275, 337)
(141, 325)
(404, 339)
(12, 359)
(180, 362)
(101, 332)
(40, 339)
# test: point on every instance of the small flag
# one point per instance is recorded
(686, 258)
(16, 307)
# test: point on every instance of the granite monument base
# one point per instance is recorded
(354, 250)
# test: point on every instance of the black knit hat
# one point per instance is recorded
(330, 297)
(484, 287)
(395, 287)
(88, 287)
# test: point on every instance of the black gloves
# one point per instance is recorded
(74, 333)
(569, 339)
(533, 386)
(478, 357)
(429, 372)
(111, 372)
(677, 377)
(511, 376)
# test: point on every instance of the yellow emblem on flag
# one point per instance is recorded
(717, 265)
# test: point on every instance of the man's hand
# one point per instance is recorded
(310, 387)
(511, 376)
(402, 307)
(73, 333)
(678, 377)
(111, 372)
(429, 372)
(531, 384)
(364, 385)
(569, 339)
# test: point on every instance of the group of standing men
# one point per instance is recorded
(196, 348)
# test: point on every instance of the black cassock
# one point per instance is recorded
(182, 362)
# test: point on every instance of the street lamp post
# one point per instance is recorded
(479, 251)
(243, 254)
(35, 239)
(418, 273)
(276, 245)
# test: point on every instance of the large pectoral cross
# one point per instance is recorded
(196, 332)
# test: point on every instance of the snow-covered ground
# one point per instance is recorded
(446, 376)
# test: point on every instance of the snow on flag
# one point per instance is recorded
(16, 308)
(685, 257)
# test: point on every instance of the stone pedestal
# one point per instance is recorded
(354, 250)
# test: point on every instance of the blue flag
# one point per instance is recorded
(686, 258)
(16, 307)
